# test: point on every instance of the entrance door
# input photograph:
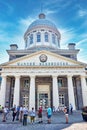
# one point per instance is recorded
(43, 100)
(43, 96)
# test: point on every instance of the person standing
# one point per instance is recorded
(17, 112)
(21, 113)
(25, 114)
(5, 112)
(32, 115)
(71, 108)
(49, 114)
(14, 113)
(66, 111)
(40, 114)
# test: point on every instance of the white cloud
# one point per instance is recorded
(48, 11)
(81, 42)
(57, 4)
(82, 13)
(26, 22)
(16, 38)
(66, 36)
(82, 57)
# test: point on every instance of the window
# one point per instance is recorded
(53, 39)
(31, 38)
(38, 37)
(46, 37)
(61, 100)
(26, 83)
(60, 82)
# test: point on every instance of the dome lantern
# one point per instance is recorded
(42, 16)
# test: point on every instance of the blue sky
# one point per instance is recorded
(70, 17)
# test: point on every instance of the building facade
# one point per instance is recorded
(43, 74)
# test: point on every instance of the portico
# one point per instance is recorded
(34, 87)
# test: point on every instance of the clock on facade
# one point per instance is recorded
(43, 58)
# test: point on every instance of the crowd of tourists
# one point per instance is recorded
(21, 113)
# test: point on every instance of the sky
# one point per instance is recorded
(70, 17)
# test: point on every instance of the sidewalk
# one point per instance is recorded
(57, 118)
(58, 123)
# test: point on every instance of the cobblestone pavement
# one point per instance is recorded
(58, 123)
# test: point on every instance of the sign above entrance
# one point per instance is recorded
(42, 64)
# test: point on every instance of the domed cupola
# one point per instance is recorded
(42, 32)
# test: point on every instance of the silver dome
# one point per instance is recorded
(42, 22)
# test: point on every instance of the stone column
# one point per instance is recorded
(55, 92)
(32, 93)
(28, 41)
(16, 99)
(71, 92)
(3, 91)
(50, 38)
(42, 38)
(34, 38)
(84, 90)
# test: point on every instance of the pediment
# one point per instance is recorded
(42, 58)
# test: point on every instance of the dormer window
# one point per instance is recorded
(38, 37)
(46, 37)
(31, 38)
(53, 39)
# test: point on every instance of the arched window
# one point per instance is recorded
(60, 82)
(31, 38)
(38, 37)
(53, 39)
(46, 37)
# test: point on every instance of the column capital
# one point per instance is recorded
(54, 76)
(32, 76)
(84, 76)
(17, 76)
(69, 75)
(3, 75)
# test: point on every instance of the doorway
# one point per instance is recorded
(43, 96)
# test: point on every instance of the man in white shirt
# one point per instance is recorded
(25, 114)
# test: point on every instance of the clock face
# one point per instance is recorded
(43, 58)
